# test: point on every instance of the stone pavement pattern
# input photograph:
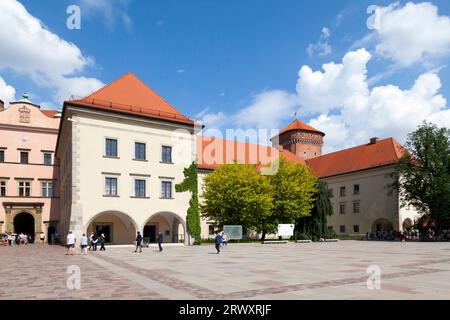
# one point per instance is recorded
(244, 271)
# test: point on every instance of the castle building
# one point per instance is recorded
(111, 163)
(29, 171)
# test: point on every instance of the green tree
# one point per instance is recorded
(190, 183)
(236, 194)
(294, 188)
(424, 173)
(316, 224)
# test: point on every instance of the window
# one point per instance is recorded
(111, 147)
(3, 188)
(139, 151)
(342, 192)
(342, 208)
(356, 228)
(342, 229)
(24, 157)
(2, 155)
(356, 189)
(356, 207)
(47, 189)
(110, 186)
(211, 229)
(166, 154)
(139, 188)
(166, 189)
(48, 159)
(24, 188)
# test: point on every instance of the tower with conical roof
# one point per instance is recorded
(301, 139)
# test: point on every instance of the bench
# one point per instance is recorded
(303, 241)
(274, 242)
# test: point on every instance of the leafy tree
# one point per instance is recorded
(424, 173)
(236, 194)
(316, 225)
(193, 215)
(294, 188)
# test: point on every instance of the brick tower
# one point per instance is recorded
(301, 139)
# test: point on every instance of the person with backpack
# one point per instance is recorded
(138, 242)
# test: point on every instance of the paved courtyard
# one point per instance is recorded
(244, 271)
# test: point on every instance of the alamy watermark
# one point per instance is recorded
(73, 282)
(374, 280)
(73, 22)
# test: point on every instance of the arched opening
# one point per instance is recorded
(407, 224)
(51, 235)
(169, 224)
(118, 227)
(24, 223)
(382, 225)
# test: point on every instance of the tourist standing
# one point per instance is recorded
(84, 244)
(224, 239)
(94, 242)
(71, 240)
(138, 242)
(91, 236)
(160, 240)
(218, 240)
(102, 240)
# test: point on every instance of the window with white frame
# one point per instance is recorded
(166, 154)
(3, 190)
(24, 188)
(110, 186)
(2, 155)
(47, 189)
(48, 158)
(140, 188)
(111, 147)
(139, 151)
(24, 157)
(166, 189)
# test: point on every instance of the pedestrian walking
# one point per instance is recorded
(160, 240)
(138, 242)
(102, 240)
(71, 240)
(94, 242)
(224, 239)
(91, 236)
(84, 244)
(42, 237)
(218, 240)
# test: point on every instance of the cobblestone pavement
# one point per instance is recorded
(244, 271)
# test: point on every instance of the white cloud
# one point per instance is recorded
(7, 92)
(267, 110)
(35, 51)
(410, 33)
(112, 11)
(322, 91)
(350, 117)
(181, 71)
(322, 47)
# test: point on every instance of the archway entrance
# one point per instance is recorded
(24, 223)
(382, 225)
(169, 224)
(117, 227)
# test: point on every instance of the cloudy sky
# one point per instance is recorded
(351, 70)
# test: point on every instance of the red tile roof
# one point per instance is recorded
(299, 125)
(50, 113)
(212, 152)
(372, 155)
(128, 94)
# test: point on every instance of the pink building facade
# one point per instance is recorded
(29, 175)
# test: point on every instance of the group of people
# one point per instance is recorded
(86, 243)
(221, 240)
(386, 235)
(139, 241)
(18, 239)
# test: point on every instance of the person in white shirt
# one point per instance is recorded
(42, 237)
(71, 240)
(84, 244)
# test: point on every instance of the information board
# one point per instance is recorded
(233, 232)
(285, 230)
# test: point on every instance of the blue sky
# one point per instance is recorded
(216, 60)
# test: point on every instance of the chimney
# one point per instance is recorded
(373, 140)
(2, 105)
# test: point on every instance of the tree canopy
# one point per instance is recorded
(424, 173)
(236, 194)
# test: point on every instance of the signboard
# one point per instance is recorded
(285, 230)
(233, 232)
